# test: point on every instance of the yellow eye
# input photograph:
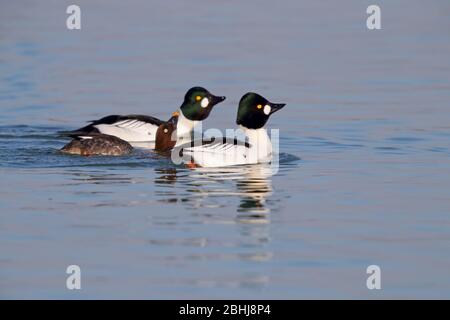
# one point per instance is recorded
(259, 106)
(198, 98)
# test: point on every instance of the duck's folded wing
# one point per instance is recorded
(131, 120)
(129, 127)
(217, 152)
(213, 144)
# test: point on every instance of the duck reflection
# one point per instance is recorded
(255, 187)
(166, 176)
(208, 187)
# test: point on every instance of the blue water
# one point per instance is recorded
(364, 151)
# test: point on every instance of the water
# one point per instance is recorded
(364, 142)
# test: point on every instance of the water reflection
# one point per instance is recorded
(204, 187)
(256, 187)
(166, 176)
(79, 177)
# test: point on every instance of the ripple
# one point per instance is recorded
(33, 147)
(405, 139)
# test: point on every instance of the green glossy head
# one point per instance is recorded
(254, 110)
(198, 103)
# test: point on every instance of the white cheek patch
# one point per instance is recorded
(267, 109)
(205, 102)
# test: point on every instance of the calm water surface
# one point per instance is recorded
(364, 173)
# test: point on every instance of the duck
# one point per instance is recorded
(99, 144)
(253, 113)
(196, 107)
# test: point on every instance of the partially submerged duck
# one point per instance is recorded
(108, 145)
(98, 144)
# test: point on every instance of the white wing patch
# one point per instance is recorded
(131, 123)
(130, 130)
(219, 154)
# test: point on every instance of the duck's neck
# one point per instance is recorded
(185, 127)
(259, 139)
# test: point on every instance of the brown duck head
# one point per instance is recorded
(166, 134)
